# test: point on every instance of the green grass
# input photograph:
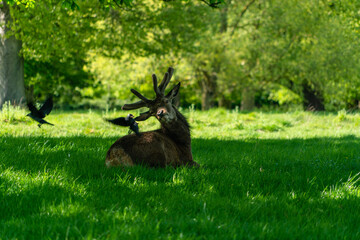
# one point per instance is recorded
(263, 176)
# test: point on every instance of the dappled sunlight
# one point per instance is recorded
(344, 190)
(64, 209)
(224, 124)
(21, 181)
(249, 180)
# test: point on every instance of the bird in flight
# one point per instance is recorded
(126, 121)
(39, 115)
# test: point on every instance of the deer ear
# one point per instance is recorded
(173, 92)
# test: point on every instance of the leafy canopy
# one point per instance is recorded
(72, 4)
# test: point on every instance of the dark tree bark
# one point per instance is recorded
(313, 100)
(12, 86)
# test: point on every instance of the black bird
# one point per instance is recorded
(39, 115)
(126, 121)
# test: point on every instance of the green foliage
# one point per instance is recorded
(98, 50)
(57, 43)
(290, 44)
(299, 182)
(25, 3)
(284, 95)
(70, 4)
(115, 77)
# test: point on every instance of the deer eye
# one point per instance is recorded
(166, 101)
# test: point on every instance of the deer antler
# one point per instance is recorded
(132, 106)
(160, 93)
(139, 95)
(166, 80)
(156, 89)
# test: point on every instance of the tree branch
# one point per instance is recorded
(243, 11)
(212, 3)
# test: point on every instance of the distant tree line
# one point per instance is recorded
(246, 53)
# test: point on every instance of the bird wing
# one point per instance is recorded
(121, 121)
(35, 118)
(34, 111)
(47, 106)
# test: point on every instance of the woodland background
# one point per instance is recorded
(244, 54)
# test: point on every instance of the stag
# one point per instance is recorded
(168, 146)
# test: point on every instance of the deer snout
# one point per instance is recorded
(160, 113)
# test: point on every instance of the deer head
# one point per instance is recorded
(161, 107)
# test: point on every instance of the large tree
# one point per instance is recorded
(211, 58)
(11, 63)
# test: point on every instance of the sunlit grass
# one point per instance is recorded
(263, 176)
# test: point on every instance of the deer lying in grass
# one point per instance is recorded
(168, 146)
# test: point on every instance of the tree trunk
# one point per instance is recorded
(313, 100)
(209, 77)
(208, 86)
(223, 102)
(247, 99)
(12, 86)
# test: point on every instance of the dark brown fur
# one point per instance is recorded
(168, 146)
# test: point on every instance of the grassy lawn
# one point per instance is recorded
(262, 176)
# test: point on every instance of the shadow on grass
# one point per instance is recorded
(241, 186)
(325, 161)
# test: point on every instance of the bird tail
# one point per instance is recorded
(118, 121)
(110, 120)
